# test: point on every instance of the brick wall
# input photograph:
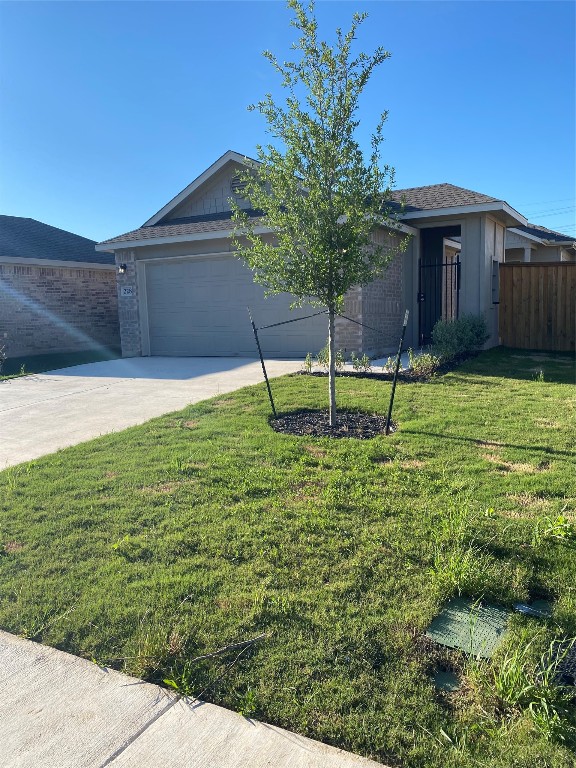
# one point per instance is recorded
(379, 305)
(382, 309)
(47, 309)
(348, 334)
(128, 307)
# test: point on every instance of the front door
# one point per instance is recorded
(438, 295)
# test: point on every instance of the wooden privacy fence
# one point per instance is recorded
(538, 306)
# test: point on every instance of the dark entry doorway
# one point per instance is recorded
(439, 278)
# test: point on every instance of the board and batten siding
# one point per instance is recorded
(538, 306)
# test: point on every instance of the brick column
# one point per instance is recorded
(128, 306)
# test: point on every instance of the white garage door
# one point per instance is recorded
(198, 307)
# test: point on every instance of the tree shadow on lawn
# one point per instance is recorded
(521, 364)
(491, 444)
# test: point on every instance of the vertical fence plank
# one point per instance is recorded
(570, 291)
(538, 306)
(562, 310)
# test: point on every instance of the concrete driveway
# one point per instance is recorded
(44, 412)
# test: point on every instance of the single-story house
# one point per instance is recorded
(57, 294)
(533, 243)
(182, 290)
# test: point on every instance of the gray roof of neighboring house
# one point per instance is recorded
(30, 239)
(438, 196)
(545, 234)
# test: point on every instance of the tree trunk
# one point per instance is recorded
(331, 369)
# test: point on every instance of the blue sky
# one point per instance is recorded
(109, 109)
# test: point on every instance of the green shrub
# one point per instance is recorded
(390, 365)
(322, 359)
(365, 363)
(425, 364)
(455, 338)
(308, 363)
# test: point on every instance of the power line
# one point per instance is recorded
(547, 202)
(547, 215)
(553, 211)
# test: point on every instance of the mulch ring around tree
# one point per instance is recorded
(375, 375)
(362, 426)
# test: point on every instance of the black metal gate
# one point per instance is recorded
(438, 294)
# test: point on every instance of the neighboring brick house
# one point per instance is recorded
(184, 292)
(57, 294)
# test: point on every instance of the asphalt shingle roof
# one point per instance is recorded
(439, 196)
(190, 225)
(30, 239)
(545, 234)
(434, 196)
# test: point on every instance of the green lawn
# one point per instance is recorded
(144, 549)
(18, 366)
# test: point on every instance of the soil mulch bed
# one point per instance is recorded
(373, 374)
(406, 375)
(362, 426)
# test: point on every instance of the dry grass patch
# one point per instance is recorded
(492, 455)
(307, 490)
(413, 464)
(315, 450)
(547, 424)
(512, 466)
(191, 424)
(529, 504)
(13, 546)
(162, 488)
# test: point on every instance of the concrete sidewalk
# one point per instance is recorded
(60, 711)
(44, 412)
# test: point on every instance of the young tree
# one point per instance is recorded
(316, 192)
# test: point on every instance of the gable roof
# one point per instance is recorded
(436, 196)
(227, 157)
(25, 238)
(412, 203)
(545, 234)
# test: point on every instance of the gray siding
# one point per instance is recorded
(213, 197)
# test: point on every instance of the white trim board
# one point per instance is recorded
(56, 263)
(222, 234)
(186, 256)
(458, 210)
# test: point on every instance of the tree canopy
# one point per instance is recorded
(317, 193)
